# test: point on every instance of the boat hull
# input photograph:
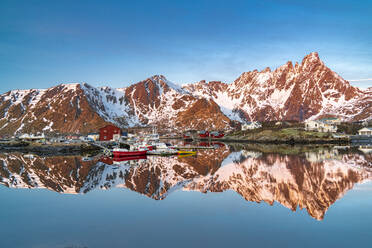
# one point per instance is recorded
(128, 153)
(186, 153)
(128, 158)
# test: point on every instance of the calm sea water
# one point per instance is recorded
(233, 196)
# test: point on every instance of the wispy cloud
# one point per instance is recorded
(360, 80)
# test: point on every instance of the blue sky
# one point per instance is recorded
(116, 43)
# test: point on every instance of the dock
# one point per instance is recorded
(194, 147)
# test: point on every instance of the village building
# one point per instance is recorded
(365, 131)
(331, 120)
(32, 137)
(320, 126)
(109, 133)
(251, 125)
(72, 137)
(93, 136)
(367, 149)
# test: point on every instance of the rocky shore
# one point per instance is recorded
(48, 149)
(285, 136)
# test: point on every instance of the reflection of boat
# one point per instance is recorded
(186, 153)
(128, 158)
(119, 152)
(106, 160)
(209, 144)
(163, 152)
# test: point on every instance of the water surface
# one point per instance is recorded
(250, 196)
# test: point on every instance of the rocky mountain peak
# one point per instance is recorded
(311, 61)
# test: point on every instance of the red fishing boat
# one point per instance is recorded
(129, 158)
(119, 152)
(147, 147)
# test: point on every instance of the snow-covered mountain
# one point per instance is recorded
(81, 108)
(299, 92)
(64, 108)
(313, 181)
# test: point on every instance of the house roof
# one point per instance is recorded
(109, 125)
(365, 129)
(252, 122)
(329, 118)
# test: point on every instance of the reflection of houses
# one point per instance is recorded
(365, 131)
(32, 137)
(321, 155)
(251, 125)
(251, 154)
(365, 149)
(320, 126)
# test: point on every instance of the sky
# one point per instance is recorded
(117, 43)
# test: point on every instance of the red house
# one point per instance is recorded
(108, 133)
(203, 134)
(216, 134)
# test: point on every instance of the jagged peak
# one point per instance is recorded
(311, 58)
(70, 85)
(158, 77)
(286, 66)
(163, 81)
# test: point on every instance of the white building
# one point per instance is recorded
(320, 126)
(31, 137)
(93, 136)
(365, 131)
(251, 125)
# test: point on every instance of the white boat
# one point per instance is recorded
(163, 152)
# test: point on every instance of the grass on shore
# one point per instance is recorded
(280, 134)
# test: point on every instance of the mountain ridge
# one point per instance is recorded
(306, 90)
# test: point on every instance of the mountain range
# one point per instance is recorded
(306, 90)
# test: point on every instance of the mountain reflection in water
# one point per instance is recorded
(313, 180)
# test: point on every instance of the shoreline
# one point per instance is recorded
(53, 149)
(288, 141)
(339, 141)
(90, 148)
